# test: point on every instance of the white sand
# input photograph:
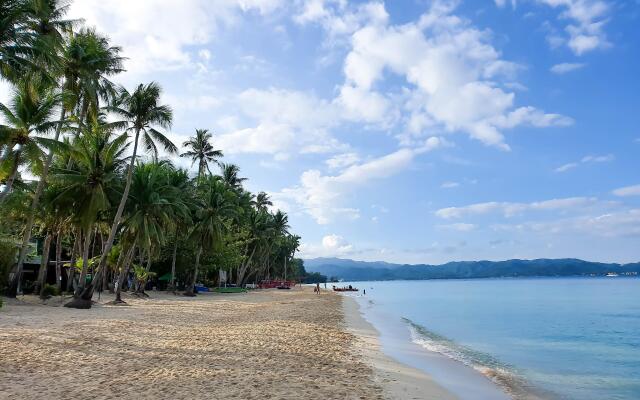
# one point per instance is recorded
(260, 345)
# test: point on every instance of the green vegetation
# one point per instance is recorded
(111, 213)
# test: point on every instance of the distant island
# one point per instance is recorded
(351, 270)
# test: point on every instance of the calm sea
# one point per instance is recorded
(561, 338)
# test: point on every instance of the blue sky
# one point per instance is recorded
(411, 130)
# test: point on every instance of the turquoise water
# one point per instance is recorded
(562, 338)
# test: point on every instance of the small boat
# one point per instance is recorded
(611, 275)
(283, 287)
(345, 289)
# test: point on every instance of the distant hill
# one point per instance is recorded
(351, 270)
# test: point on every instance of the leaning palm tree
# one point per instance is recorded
(87, 61)
(202, 151)
(91, 186)
(29, 115)
(141, 112)
(218, 204)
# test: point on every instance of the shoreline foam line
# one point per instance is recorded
(399, 381)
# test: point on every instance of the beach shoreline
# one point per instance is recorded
(398, 380)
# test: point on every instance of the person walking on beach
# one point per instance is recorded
(317, 288)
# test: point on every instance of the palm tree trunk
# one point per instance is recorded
(44, 262)
(72, 265)
(58, 260)
(88, 292)
(78, 301)
(173, 265)
(12, 177)
(15, 285)
(244, 266)
(123, 274)
(191, 289)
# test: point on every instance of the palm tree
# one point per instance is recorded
(230, 176)
(263, 201)
(87, 61)
(31, 35)
(202, 151)
(153, 207)
(91, 186)
(182, 206)
(218, 204)
(29, 115)
(141, 111)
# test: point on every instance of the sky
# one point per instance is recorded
(410, 131)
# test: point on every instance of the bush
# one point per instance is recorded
(8, 252)
(49, 290)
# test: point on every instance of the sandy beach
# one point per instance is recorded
(263, 344)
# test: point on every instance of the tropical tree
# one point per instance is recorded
(86, 62)
(91, 186)
(217, 206)
(141, 112)
(230, 176)
(29, 116)
(202, 151)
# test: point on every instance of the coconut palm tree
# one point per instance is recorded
(29, 115)
(182, 207)
(202, 151)
(91, 186)
(153, 207)
(217, 206)
(141, 112)
(230, 176)
(263, 201)
(86, 63)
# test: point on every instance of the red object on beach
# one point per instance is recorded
(269, 284)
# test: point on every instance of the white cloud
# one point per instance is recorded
(281, 122)
(321, 196)
(610, 225)
(509, 209)
(460, 227)
(587, 19)
(454, 71)
(330, 246)
(633, 190)
(585, 160)
(342, 160)
(563, 68)
(159, 35)
(566, 167)
(449, 185)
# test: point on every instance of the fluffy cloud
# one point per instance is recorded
(331, 246)
(509, 209)
(280, 122)
(585, 160)
(156, 35)
(633, 190)
(454, 71)
(321, 196)
(563, 68)
(585, 31)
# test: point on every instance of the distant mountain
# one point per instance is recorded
(351, 270)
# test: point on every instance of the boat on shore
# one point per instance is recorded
(345, 289)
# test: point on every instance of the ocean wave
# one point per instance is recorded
(504, 375)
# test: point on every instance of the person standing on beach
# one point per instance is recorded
(318, 288)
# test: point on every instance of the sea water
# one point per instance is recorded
(557, 338)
